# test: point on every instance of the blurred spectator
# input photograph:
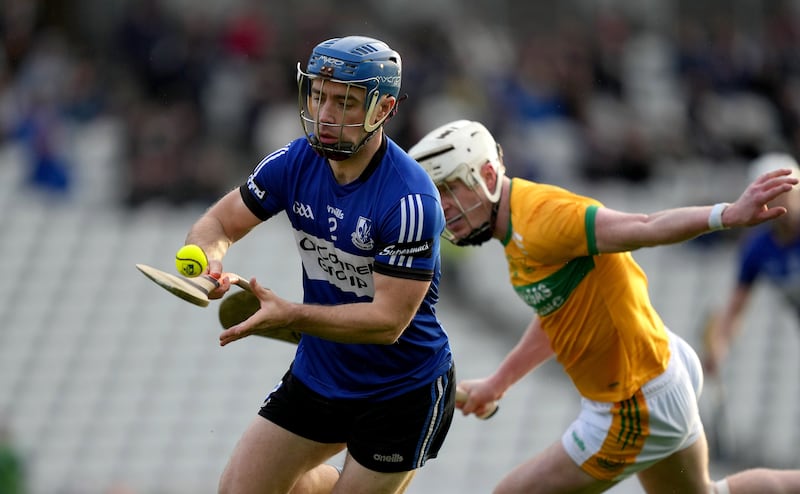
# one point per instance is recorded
(38, 120)
(152, 49)
(595, 92)
(770, 253)
(248, 33)
(169, 158)
(18, 30)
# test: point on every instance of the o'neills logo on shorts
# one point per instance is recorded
(395, 458)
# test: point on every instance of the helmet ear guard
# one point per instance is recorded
(372, 108)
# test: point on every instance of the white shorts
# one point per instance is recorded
(612, 441)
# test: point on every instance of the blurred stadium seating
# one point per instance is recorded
(107, 382)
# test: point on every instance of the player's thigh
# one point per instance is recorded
(552, 471)
(683, 471)
(357, 479)
(270, 459)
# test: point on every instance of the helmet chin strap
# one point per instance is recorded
(483, 233)
(340, 152)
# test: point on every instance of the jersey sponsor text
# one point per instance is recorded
(324, 262)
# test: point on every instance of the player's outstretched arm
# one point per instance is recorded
(616, 231)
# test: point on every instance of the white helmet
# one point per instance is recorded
(770, 162)
(458, 150)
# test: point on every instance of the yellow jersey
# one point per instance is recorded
(594, 308)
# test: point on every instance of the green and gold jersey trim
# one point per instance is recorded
(549, 294)
(510, 229)
(591, 213)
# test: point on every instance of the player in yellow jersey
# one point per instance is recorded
(569, 259)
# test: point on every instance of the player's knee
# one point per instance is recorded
(720, 487)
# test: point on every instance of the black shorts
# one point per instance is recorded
(395, 435)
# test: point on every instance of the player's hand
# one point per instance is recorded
(215, 271)
(225, 281)
(481, 397)
(752, 207)
(273, 314)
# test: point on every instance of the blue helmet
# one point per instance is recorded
(358, 59)
(353, 60)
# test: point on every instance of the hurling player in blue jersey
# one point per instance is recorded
(373, 372)
(770, 253)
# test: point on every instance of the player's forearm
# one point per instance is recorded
(209, 234)
(532, 350)
(227, 221)
(618, 232)
(349, 323)
(677, 225)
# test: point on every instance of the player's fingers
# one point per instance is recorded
(237, 331)
(770, 214)
(465, 402)
(772, 188)
(260, 291)
(480, 411)
(778, 186)
(228, 336)
(223, 287)
(470, 406)
(780, 173)
(258, 321)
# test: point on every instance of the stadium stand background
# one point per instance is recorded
(121, 121)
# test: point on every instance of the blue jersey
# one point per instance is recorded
(388, 221)
(761, 256)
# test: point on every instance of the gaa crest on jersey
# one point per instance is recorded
(362, 236)
(303, 210)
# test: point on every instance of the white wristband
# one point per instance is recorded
(715, 217)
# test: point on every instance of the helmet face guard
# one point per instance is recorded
(359, 63)
(478, 233)
(313, 127)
